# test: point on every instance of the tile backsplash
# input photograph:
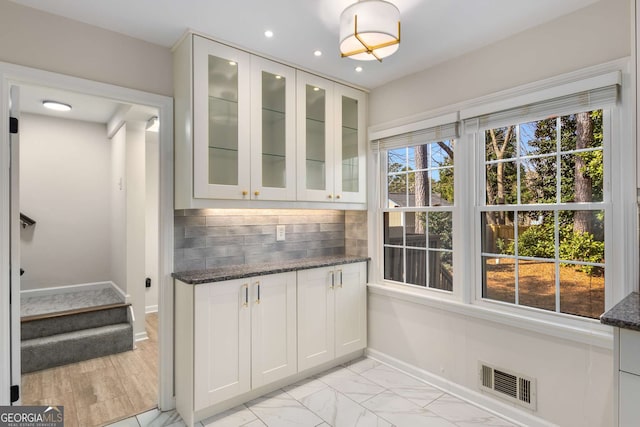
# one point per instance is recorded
(209, 238)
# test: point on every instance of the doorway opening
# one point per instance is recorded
(92, 251)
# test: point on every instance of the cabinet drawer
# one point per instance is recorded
(630, 351)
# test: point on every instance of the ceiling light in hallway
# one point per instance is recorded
(55, 105)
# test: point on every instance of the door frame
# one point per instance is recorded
(11, 75)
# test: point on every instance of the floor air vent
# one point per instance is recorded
(511, 386)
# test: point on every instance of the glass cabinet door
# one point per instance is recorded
(350, 145)
(315, 138)
(221, 121)
(272, 131)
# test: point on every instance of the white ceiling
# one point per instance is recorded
(83, 107)
(433, 31)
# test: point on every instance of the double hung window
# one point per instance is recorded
(531, 205)
(417, 209)
(543, 214)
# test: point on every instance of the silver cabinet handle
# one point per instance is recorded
(333, 279)
(340, 285)
(258, 285)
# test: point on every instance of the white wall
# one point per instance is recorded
(135, 223)
(118, 236)
(64, 173)
(128, 217)
(590, 36)
(575, 381)
(48, 42)
(152, 210)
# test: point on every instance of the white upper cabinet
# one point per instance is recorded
(221, 121)
(350, 144)
(331, 141)
(315, 138)
(273, 126)
(251, 129)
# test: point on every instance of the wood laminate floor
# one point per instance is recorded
(100, 391)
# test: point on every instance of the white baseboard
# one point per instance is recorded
(151, 309)
(140, 336)
(123, 294)
(502, 409)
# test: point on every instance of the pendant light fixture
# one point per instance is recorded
(369, 30)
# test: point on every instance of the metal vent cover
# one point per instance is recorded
(508, 385)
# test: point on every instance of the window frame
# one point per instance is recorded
(621, 256)
(384, 156)
(605, 205)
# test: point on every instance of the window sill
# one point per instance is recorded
(582, 331)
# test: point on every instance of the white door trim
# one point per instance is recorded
(11, 74)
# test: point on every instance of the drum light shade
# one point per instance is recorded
(369, 30)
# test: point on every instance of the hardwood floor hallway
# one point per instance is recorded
(100, 391)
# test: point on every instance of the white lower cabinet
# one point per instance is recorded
(243, 336)
(331, 313)
(629, 379)
(273, 329)
(237, 338)
(222, 342)
(629, 415)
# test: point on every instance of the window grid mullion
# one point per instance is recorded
(558, 160)
(556, 237)
(518, 160)
(593, 206)
(517, 262)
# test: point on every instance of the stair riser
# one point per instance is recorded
(73, 322)
(71, 348)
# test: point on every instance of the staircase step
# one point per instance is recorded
(43, 325)
(70, 347)
(65, 299)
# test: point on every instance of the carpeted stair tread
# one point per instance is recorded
(67, 300)
(59, 323)
(51, 315)
(61, 349)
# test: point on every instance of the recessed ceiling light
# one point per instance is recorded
(57, 106)
(358, 69)
(233, 63)
(268, 34)
(316, 89)
(317, 53)
(278, 77)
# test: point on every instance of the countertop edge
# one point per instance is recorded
(245, 271)
(625, 314)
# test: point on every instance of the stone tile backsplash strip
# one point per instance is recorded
(209, 238)
(355, 233)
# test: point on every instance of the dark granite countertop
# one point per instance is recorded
(197, 277)
(625, 314)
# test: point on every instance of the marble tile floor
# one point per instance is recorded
(362, 393)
